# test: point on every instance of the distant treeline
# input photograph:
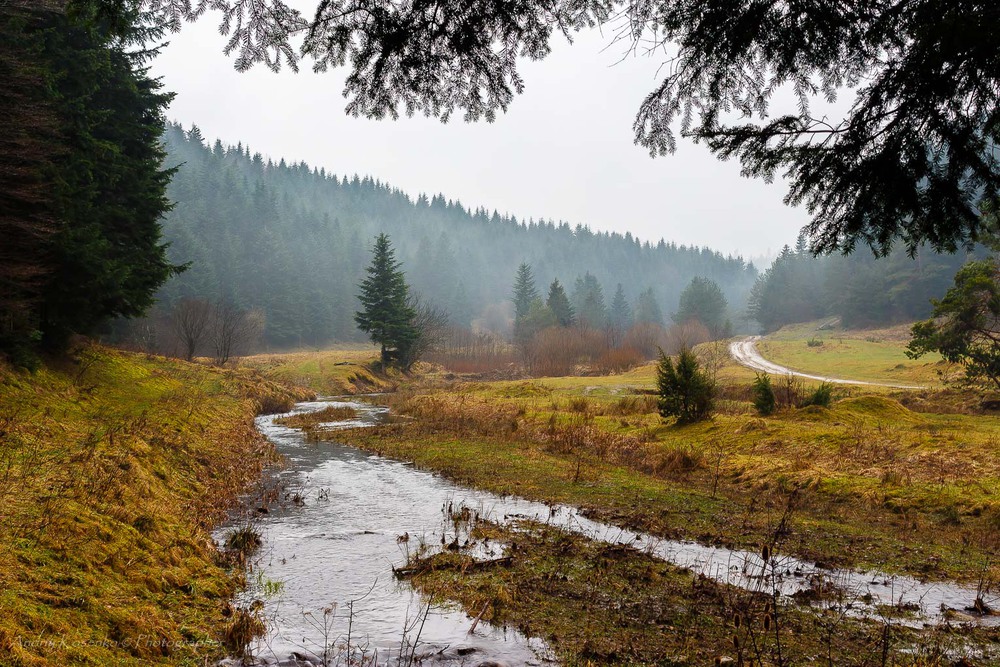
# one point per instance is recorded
(862, 290)
(291, 241)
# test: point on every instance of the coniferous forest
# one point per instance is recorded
(292, 241)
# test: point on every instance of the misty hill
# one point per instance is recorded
(862, 290)
(293, 241)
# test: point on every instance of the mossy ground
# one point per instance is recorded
(113, 468)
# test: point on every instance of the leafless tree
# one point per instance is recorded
(431, 324)
(190, 320)
(233, 329)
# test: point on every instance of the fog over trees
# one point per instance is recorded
(293, 241)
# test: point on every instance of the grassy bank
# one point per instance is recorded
(113, 468)
(336, 372)
(864, 483)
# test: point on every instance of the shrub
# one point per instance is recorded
(763, 395)
(686, 392)
(821, 397)
(618, 359)
(814, 342)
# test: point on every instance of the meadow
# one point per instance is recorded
(901, 482)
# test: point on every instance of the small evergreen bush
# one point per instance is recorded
(763, 395)
(822, 397)
(685, 391)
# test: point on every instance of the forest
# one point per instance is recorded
(860, 289)
(292, 241)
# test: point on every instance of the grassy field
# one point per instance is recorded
(334, 372)
(113, 468)
(866, 483)
(871, 482)
(869, 355)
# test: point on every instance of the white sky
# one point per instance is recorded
(563, 151)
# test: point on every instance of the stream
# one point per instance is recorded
(337, 531)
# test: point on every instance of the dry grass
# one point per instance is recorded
(113, 467)
(872, 476)
(334, 372)
(329, 414)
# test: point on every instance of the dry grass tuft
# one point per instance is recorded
(332, 413)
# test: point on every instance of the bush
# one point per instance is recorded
(686, 392)
(821, 397)
(618, 360)
(763, 395)
(814, 342)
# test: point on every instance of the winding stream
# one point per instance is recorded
(335, 536)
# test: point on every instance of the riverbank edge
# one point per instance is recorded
(115, 467)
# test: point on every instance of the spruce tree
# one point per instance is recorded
(559, 304)
(588, 299)
(524, 291)
(386, 315)
(647, 309)
(702, 300)
(685, 390)
(103, 197)
(621, 314)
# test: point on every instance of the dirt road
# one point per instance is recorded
(744, 351)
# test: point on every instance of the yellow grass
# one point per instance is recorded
(877, 355)
(113, 467)
(333, 372)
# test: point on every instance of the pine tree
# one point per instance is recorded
(524, 291)
(702, 300)
(386, 315)
(685, 391)
(559, 304)
(647, 309)
(621, 314)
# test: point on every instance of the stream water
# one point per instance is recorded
(338, 531)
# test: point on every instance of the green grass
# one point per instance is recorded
(334, 372)
(871, 356)
(115, 466)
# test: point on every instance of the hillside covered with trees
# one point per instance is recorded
(859, 288)
(292, 241)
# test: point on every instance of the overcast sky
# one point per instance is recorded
(563, 151)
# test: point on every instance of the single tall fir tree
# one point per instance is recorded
(559, 304)
(621, 313)
(524, 291)
(386, 316)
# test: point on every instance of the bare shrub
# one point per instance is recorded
(686, 336)
(431, 325)
(464, 351)
(618, 360)
(233, 330)
(646, 338)
(189, 321)
(557, 351)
